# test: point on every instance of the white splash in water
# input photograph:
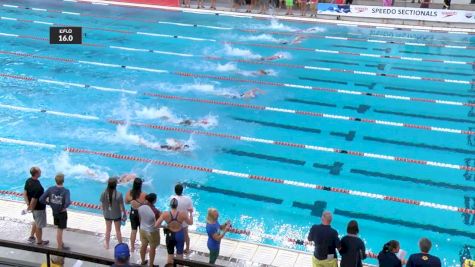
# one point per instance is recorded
(237, 52)
(314, 29)
(276, 25)
(163, 113)
(62, 163)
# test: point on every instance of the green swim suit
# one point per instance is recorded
(289, 3)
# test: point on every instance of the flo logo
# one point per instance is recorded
(468, 15)
(469, 176)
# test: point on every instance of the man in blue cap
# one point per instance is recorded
(121, 255)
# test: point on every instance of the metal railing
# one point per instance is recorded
(48, 251)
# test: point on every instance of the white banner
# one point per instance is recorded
(441, 15)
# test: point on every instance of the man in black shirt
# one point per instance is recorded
(32, 192)
(326, 242)
(423, 259)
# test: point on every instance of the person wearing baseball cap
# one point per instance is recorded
(121, 255)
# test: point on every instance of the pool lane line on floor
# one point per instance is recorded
(286, 18)
(79, 85)
(256, 107)
(328, 90)
(423, 181)
(329, 51)
(117, 18)
(250, 44)
(367, 40)
(293, 145)
(246, 139)
(312, 114)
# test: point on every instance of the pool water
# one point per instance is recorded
(194, 67)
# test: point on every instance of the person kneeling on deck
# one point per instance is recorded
(59, 200)
(326, 242)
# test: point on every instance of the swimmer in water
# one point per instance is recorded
(174, 145)
(274, 57)
(126, 178)
(297, 40)
(261, 72)
(189, 122)
(250, 94)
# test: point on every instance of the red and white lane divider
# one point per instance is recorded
(234, 137)
(267, 179)
(329, 51)
(366, 40)
(246, 44)
(323, 89)
(314, 114)
(120, 18)
(86, 86)
(95, 63)
(410, 77)
(113, 30)
(273, 180)
(295, 145)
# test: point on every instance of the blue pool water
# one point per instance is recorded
(261, 207)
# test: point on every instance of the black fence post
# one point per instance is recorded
(48, 260)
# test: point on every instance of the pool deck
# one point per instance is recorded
(88, 228)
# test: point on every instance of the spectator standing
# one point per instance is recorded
(174, 232)
(121, 255)
(149, 234)
(425, 4)
(352, 250)
(326, 242)
(423, 259)
(313, 8)
(289, 5)
(113, 210)
(303, 7)
(135, 197)
(31, 193)
(185, 204)
(447, 4)
(215, 232)
(387, 257)
(59, 199)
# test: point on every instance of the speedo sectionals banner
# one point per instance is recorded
(398, 13)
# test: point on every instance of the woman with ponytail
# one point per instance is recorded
(112, 209)
(387, 257)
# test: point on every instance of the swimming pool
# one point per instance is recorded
(362, 114)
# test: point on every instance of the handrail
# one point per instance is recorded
(57, 252)
(192, 263)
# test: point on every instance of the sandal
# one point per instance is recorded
(145, 262)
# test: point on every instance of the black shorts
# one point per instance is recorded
(61, 220)
(134, 219)
(115, 220)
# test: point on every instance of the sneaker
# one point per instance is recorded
(31, 239)
(43, 243)
(66, 248)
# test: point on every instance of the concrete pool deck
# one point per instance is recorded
(85, 235)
